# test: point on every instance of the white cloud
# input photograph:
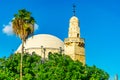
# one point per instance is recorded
(36, 26)
(9, 31)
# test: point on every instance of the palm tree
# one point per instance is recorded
(23, 27)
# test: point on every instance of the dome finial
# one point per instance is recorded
(74, 6)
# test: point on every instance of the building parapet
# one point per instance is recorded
(74, 40)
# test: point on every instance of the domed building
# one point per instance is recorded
(73, 46)
(42, 43)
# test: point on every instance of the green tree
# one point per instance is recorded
(57, 67)
(23, 26)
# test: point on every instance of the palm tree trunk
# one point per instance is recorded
(21, 59)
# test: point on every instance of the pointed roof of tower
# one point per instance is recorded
(74, 19)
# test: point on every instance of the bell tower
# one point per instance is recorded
(74, 45)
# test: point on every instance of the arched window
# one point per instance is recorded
(49, 55)
(77, 34)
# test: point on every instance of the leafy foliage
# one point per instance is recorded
(56, 67)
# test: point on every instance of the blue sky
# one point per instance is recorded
(99, 24)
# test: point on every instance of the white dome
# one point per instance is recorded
(45, 40)
(74, 19)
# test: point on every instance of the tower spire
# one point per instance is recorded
(74, 12)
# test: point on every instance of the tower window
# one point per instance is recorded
(77, 34)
